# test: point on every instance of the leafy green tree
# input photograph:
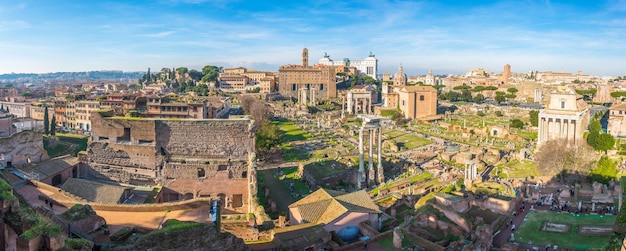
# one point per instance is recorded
(267, 136)
(510, 96)
(512, 90)
(605, 171)
(255, 90)
(595, 126)
(46, 122)
(452, 96)
(195, 75)
(534, 117)
(461, 87)
(210, 73)
(201, 89)
(479, 98)
(500, 98)
(516, 123)
(466, 95)
(53, 126)
(478, 88)
(491, 88)
(499, 113)
(182, 70)
(605, 142)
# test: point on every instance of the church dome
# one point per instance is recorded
(399, 79)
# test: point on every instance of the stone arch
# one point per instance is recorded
(57, 180)
(201, 173)
(244, 174)
(188, 196)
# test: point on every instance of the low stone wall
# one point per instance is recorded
(172, 206)
(421, 241)
(357, 244)
(496, 205)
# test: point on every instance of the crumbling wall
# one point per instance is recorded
(209, 139)
(191, 238)
(22, 147)
(191, 158)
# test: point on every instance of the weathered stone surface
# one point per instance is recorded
(22, 147)
(196, 238)
(191, 158)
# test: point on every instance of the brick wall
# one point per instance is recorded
(190, 158)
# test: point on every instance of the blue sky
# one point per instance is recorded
(447, 36)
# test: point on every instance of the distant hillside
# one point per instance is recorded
(87, 76)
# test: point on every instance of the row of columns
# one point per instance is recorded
(372, 176)
(364, 103)
(560, 128)
(307, 96)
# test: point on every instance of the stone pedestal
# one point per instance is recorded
(397, 237)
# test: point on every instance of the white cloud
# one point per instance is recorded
(13, 25)
(159, 34)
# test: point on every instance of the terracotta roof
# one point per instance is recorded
(52, 166)
(418, 88)
(324, 205)
(94, 191)
(620, 106)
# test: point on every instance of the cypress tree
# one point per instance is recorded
(53, 126)
(46, 122)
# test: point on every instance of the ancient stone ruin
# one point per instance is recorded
(189, 158)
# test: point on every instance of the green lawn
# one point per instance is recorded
(517, 169)
(77, 139)
(528, 231)
(291, 132)
(291, 175)
(405, 140)
(53, 149)
(294, 155)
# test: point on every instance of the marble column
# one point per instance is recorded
(371, 171)
(343, 106)
(380, 175)
(361, 174)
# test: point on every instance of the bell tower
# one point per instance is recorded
(305, 57)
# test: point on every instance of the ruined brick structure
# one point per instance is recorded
(189, 157)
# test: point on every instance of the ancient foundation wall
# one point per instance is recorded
(494, 204)
(206, 139)
(123, 162)
(190, 158)
(22, 147)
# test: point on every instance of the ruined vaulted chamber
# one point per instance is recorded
(190, 158)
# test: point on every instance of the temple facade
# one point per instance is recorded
(565, 117)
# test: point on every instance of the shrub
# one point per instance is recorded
(121, 234)
(78, 244)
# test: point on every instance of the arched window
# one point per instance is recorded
(201, 173)
(57, 179)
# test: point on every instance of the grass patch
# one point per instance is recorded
(517, 169)
(291, 132)
(294, 155)
(290, 176)
(53, 149)
(528, 231)
(405, 140)
(387, 243)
